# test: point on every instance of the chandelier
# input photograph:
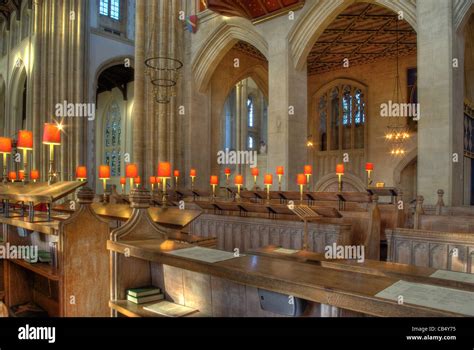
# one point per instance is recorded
(397, 131)
(164, 74)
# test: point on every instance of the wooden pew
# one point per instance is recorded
(229, 287)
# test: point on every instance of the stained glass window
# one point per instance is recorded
(113, 139)
(104, 7)
(250, 112)
(342, 115)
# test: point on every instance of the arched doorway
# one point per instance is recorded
(115, 91)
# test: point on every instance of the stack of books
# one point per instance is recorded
(144, 295)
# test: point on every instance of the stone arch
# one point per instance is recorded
(328, 182)
(320, 14)
(259, 74)
(2, 103)
(218, 44)
(110, 63)
(15, 108)
(402, 164)
(462, 10)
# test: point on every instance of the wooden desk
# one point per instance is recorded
(170, 217)
(348, 290)
(411, 273)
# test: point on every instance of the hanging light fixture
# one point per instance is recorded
(163, 72)
(397, 132)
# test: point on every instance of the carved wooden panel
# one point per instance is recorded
(421, 256)
(439, 256)
(457, 259)
(403, 251)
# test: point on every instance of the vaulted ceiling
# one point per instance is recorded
(362, 33)
(254, 10)
(117, 76)
(7, 7)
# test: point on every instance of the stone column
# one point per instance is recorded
(438, 125)
(287, 132)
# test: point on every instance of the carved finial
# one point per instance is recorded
(140, 198)
(85, 195)
(420, 200)
(440, 203)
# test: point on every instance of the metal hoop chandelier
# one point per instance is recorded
(164, 75)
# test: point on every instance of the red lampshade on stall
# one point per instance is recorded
(123, 180)
(34, 175)
(176, 173)
(25, 140)
(214, 180)
(369, 166)
(339, 173)
(164, 169)
(193, 173)
(12, 176)
(152, 180)
(255, 171)
(268, 179)
(227, 171)
(21, 175)
(104, 172)
(137, 180)
(131, 171)
(308, 170)
(301, 179)
(51, 134)
(340, 169)
(280, 170)
(5, 145)
(5, 149)
(238, 181)
(81, 173)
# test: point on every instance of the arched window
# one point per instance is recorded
(250, 112)
(342, 116)
(251, 143)
(110, 8)
(112, 139)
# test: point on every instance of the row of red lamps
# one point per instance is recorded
(51, 137)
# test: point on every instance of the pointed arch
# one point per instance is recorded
(218, 44)
(320, 14)
(16, 108)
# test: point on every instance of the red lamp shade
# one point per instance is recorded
(214, 180)
(34, 175)
(268, 179)
(159, 180)
(81, 172)
(301, 179)
(193, 172)
(280, 170)
(25, 139)
(104, 172)
(51, 134)
(369, 166)
(123, 180)
(137, 180)
(176, 173)
(227, 171)
(164, 169)
(239, 180)
(152, 180)
(254, 171)
(5, 145)
(131, 171)
(12, 175)
(308, 170)
(21, 174)
(340, 169)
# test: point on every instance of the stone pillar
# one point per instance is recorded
(287, 133)
(437, 128)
